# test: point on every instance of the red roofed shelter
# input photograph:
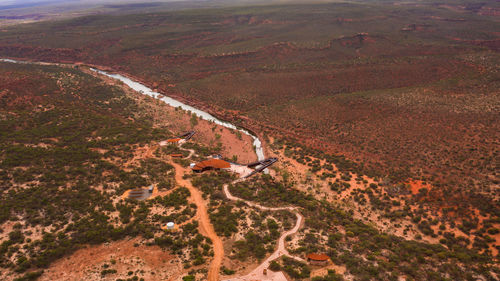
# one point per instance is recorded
(210, 165)
(317, 259)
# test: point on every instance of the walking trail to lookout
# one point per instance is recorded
(206, 228)
(258, 272)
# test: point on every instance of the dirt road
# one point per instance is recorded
(205, 226)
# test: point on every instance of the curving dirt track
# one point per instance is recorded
(257, 273)
(205, 227)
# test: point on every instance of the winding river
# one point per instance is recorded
(168, 100)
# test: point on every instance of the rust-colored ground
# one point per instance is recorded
(87, 263)
(207, 133)
(417, 185)
(205, 226)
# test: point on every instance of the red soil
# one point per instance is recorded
(211, 163)
(86, 264)
(205, 227)
(416, 185)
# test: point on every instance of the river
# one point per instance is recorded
(168, 100)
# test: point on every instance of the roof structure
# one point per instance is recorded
(317, 257)
(211, 164)
(174, 140)
(140, 194)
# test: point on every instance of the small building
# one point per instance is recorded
(317, 259)
(170, 225)
(151, 188)
(180, 139)
(139, 194)
(210, 164)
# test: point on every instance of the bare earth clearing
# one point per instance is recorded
(87, 263)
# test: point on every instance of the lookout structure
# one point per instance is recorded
(179, 140)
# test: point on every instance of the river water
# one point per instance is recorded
(168, 100)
